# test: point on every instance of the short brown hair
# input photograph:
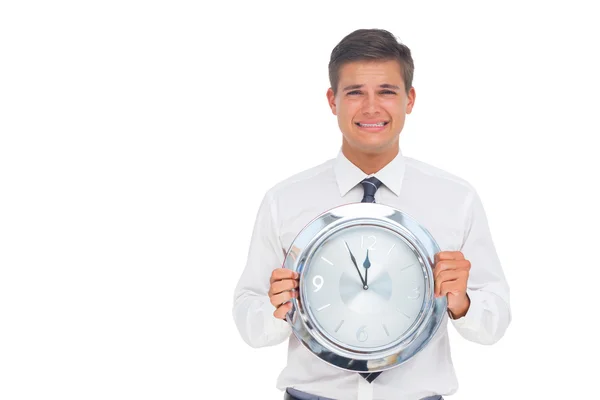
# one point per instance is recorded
(370, 45)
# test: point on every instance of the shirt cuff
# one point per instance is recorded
(472, 319)
(277, 328)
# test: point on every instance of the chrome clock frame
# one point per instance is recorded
(306, 328)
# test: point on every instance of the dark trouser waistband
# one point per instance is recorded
(294, 394)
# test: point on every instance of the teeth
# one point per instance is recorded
(372, 125)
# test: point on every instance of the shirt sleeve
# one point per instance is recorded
(489, 313)
(252, 310)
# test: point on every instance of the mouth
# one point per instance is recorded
(372, 127)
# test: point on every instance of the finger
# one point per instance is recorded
(282, 310)
(281, 286)
(461, 276)
(283, 273)
(448, 255)
(443, 277)
(281, 298)
(455, 287)
(451, 264)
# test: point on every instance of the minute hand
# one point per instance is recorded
(356, 266)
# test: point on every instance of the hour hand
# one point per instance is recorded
(367, 265)
(355, 265)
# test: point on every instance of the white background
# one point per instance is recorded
(137, 139)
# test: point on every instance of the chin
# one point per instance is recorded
(375, 144)
(371, 143)
(373, 148)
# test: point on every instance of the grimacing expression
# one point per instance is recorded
(371, 104)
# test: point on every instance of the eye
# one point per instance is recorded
(354, 92)
(388, 92)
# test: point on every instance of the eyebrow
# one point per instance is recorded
(383, 86)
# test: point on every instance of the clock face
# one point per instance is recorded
(370, 304)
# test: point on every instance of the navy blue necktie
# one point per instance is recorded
(370, 186)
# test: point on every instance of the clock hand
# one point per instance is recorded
(367, 265)
(357, 270)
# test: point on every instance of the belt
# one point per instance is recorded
(294, 394)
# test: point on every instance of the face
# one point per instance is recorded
(370, 316)
(371, 105)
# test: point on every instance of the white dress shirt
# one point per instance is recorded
(444, 204)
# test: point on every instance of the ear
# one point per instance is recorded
(412, 95)
(331, 101)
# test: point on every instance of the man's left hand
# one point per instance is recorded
(450, 274)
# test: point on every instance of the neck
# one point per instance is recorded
(369, 163)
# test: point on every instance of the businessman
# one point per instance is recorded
(371, 94)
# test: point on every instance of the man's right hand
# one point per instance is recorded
(283, 280)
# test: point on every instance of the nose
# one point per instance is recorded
(370, 104)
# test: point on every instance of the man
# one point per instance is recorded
(371, 93)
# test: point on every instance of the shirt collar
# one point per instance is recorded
(349, 175)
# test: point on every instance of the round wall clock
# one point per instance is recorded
(365, 300)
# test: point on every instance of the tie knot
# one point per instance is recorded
(370, 186)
